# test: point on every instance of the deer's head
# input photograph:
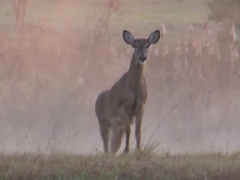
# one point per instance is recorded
(141, 45)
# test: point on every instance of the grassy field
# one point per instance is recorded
(143, 165)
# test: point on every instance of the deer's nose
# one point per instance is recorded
(143, 57)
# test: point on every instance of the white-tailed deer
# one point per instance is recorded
(117, 107)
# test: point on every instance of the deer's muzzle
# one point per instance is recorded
(143, 58)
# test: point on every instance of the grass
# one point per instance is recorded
(143, 165)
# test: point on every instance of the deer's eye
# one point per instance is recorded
(147, 45)
(135, 46)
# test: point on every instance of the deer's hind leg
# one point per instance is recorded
(116, 139)
(104, 130)
(117, 134)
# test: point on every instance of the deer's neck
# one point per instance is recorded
(135, 73)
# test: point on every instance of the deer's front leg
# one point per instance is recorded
(138, 124)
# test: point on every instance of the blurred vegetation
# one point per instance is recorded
(222, 10)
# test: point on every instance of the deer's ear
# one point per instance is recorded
(128, 37)
(154, 37)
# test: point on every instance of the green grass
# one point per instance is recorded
(143, 165)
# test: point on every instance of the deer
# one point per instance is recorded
(123, 104)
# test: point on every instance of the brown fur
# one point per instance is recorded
(117, 107)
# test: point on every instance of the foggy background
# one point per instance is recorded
(57, 56)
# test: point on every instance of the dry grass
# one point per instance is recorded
(133, 166)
